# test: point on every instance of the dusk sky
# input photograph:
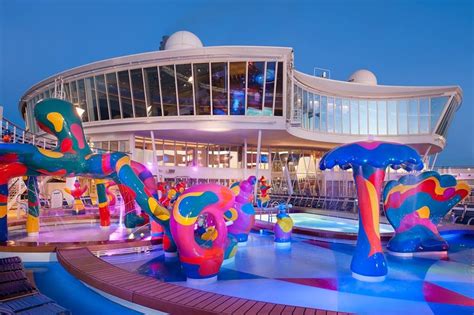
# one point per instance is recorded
(404, 42)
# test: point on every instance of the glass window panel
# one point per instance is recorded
(138, 93)
(317, 111)
(67, 94)
(402, 117)
(305, 109)
(78, 95)
(46, 94)
(324, 102)
(91, 99)
(437, 107)
(269, 87)
(219, 88)
(372, 117)
(202, 88)
(279, 91)
(330, 114)
(169, 153)
(363, 130)
(152, 88)
(338, 116)
(112, 90)
(237, 88)
(168, 90)
(392, 117)
(255, 78)
(424, 115)
(125, 94)
(382, 117)
(102, 97)
(310, 111)
(354, 117)
(185, 89)
(346, 118)
(413, 116)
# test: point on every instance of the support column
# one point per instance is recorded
(257, 164)
(245, 159)
(3, 212)
(154, 160)
(32, 220)
(103, 201)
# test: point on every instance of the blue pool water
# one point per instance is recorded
(55, 282)
(317, 274)
(322, 222)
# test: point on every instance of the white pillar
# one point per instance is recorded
(257, 164)
(244, 158)
(154, 160)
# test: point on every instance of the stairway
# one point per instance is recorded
(16, 187)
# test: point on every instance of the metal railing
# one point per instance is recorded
(20, 135)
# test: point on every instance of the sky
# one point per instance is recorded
(404, 42)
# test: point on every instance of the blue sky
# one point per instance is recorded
(404, 42)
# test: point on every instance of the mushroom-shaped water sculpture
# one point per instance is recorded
(368, 160)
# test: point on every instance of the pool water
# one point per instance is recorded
(322, 222)
(317, 274)
(55, 282)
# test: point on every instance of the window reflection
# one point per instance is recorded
(437, 106)
(346, 120)
(152, 88)
(424, 115)
(91, 98)
(102, 97)
(317, 111)
(279, 91)
(392, 117)
(338, 116)
(402, 117)
(305, 109)
(168, 91)
(202, 89)
(324, 102)
(269, 88)
(354, 117)
(330, 114)
(78, 93)
(184, 79)
(237, 88)
(363, 130)
(372, 120)
(112, 91)
(310, 111)
(138, 93)
(219, 88)
(256, 78)
(413, 116)
(382, 117)
(125, 94)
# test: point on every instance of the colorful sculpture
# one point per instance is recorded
(368, 160)
(77, 193)
(201, 262)
(242, 213)
(112, 200)
(414, 206)
(103, 202)
(32, 219)
(283, 227)
(72, 157)
(264, 197)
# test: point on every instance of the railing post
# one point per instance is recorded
(14, 134)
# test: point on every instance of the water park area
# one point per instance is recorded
(193, 179)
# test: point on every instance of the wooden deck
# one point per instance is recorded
(166, 297)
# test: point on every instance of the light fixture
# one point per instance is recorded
(80, 111)
(190, 79)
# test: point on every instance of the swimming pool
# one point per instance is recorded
(328, 223)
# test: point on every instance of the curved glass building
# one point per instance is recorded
(222, 113)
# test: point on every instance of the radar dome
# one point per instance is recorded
(363, 76)
(183, 40)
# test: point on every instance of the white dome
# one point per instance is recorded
(183, 40)
(363, 77)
